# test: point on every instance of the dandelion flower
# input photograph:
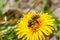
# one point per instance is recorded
(34, 26)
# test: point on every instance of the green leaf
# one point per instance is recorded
(0, 13)
(2, 27)
(47, 9)
(58, 33)
(19, 1)
(2, 4)
(10, 34)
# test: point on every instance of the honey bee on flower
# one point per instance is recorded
(34, 26)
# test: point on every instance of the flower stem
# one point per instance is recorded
(19, 1)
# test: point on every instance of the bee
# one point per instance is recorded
(33, 20)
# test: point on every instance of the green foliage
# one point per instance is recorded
(10, 35)
(3, 27)
(2, 4)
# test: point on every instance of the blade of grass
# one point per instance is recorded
(19, 1)
(34, 5)
(43, 6)
(31, 7)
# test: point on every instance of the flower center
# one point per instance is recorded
(33, 23)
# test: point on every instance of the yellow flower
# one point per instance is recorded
(34, 26)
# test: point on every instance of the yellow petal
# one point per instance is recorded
(36, 36)
(41, 36)
(27, 38)
(17, 29)
(44, 31)
(48, 29)
(33, 36)
(20, 35)
(24, 38)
